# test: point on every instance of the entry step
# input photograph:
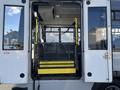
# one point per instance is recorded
(56, 67)
(57, 71)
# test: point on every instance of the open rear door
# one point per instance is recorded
(14, 41)
(97, 41)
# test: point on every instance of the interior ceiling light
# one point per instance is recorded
(35, 14)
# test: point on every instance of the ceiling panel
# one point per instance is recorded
(59, 13)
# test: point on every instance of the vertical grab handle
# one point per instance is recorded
(76, 42)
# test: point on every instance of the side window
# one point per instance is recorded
(52, 35)
(97, 28)
(67, 35)
(116, 30)
(60, 34)
(115, 15)
(13, 37)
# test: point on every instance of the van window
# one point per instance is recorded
(13, 38)
(116, 30)
(97, 28)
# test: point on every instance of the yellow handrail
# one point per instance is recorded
(76, 31)
(36, 31)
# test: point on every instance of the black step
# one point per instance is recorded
(19, 88)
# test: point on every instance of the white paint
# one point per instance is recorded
(14, 62)
(94, 61)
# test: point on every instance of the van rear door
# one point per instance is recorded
(14, 36)
(97, 41)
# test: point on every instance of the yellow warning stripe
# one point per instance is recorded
(56, 62)
(57, 71)
(69, 65)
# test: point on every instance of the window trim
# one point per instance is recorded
(4, 27)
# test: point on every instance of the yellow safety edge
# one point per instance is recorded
(69, 65)
(57, 71)
(56, 62)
